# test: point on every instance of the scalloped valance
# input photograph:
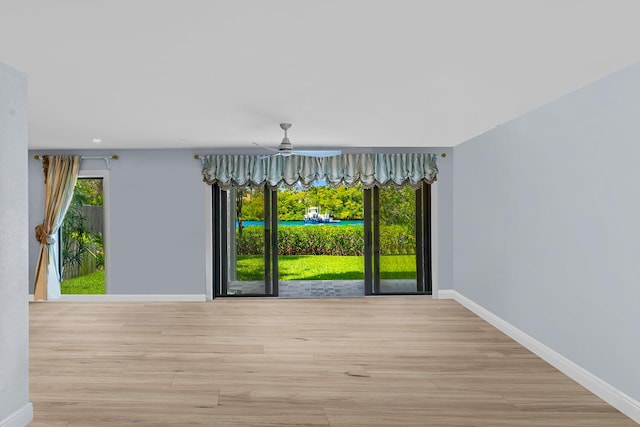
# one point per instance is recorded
(368, 169)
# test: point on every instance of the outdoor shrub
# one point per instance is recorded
(397, 240)
(327, 240)
(251, 242)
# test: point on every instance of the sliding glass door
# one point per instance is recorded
(397, 237)
(394, 231)
(244, 258)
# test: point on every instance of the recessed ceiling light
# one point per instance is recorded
(97, 140)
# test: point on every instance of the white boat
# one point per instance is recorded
(313, 216)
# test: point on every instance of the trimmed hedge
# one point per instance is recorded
(397, 240)
(327, 240)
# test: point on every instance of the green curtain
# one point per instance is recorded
(368, 169)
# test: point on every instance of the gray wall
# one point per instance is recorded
(14, 308)
(547, 230)
(157, 219)
(445, 218)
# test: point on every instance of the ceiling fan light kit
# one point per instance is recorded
(285, 146)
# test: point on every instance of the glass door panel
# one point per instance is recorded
(397, 240)
(81, 240)
(320, 241)
(250, 245)
(395, 236)
(242, 242)
(246, 245)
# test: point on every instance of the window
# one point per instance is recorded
(82, 238)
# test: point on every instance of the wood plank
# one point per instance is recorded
(407, 361)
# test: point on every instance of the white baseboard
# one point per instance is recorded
(20, 418)
(446, 294)
(605, 391)
(129, 298)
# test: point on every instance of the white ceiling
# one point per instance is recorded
(205, 73)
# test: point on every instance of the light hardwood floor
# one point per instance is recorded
(389, 361)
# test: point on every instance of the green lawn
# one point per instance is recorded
(325, 267)
(291, 267)
(92, 283)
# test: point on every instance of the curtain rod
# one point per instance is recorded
(107, 159)
(200, 156)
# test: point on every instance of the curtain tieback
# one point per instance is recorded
(43, 237)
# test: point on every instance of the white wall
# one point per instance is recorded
(547, 226)
(15, 409)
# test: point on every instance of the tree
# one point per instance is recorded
(253, 204)
(89, 191)
(239, 196)
(397, 207)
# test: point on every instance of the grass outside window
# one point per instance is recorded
(92, 283)
(325, 267)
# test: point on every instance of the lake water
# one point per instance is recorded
(358, 222)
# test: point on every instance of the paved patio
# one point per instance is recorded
(321, 288)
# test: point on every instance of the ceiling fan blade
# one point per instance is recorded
(285, 149)
(318, 153)
(274, 150)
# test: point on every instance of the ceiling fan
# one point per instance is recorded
(286, 149)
